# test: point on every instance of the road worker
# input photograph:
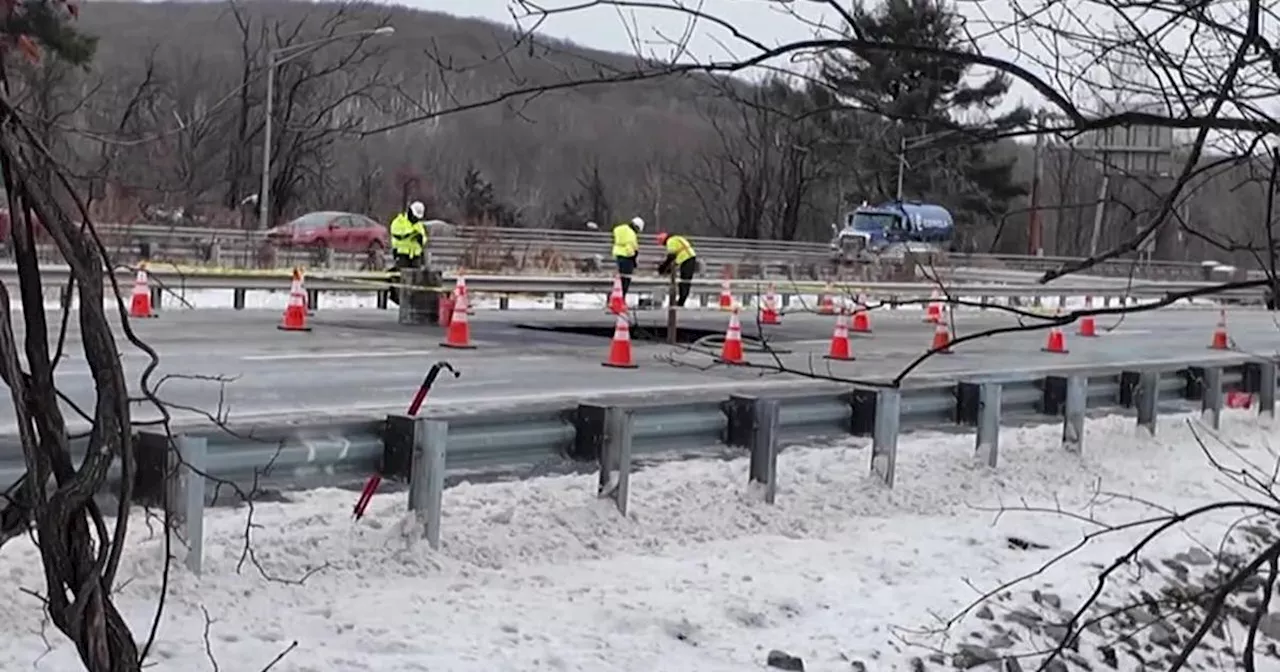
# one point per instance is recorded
(682, 259)
(409, 236)
(626, 249)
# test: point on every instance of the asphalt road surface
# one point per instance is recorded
(361, 362)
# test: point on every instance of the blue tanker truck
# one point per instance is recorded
(892, 229)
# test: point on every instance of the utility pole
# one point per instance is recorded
(1035, 234)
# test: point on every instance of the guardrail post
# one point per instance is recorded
(426, 484)
(1193, 376)
(194, 451)
(590, 431)
(153, 470)
(1053, 397)
(237, 298)
(1147, 395)
(739, 419)
(399, 443)
(1211, 406)
(764, 446)
(504, 302)
(383, 299)
(615, 459)
(558, 298)
(862, 412)
(1073, 415)
(988, 441)
(1129, 383)
(1267, 388)
(313, 300)
(156, 293)
(884, 442)
(968, 403)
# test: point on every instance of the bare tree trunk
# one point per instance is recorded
(80, 556)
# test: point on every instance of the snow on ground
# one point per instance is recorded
(276, 300)
(704, 577)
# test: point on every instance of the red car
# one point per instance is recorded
(339, 231)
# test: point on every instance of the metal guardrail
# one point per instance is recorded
(714, 250)
(305, 456)
(356, 282)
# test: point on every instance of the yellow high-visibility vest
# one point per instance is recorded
(625, 242)
(681, 247)
(407, 236)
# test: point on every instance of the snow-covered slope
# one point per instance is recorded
(704, 577)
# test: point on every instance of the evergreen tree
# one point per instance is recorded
(926, 94)
(479, 205)
(476, 199)
(589, 204)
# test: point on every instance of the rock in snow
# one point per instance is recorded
(784, 661)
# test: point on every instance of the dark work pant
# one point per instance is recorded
(626, 266)
(688, 269)
(406, 261)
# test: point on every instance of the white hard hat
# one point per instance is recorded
(417, 209)
(638, 223)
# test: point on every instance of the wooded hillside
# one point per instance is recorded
(170, 115)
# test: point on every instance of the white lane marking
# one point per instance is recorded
(361, 354)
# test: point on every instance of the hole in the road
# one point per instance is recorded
(639, 332)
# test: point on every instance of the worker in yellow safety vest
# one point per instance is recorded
(682, 258)
(409, 236)
(626, 249)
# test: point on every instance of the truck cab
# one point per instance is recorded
(893, 228)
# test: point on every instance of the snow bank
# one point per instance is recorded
(538, 574)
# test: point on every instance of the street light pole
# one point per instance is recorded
(902, 163)
(922, 140)
(275, 60)
(264, 192)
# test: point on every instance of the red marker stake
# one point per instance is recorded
(371, 486)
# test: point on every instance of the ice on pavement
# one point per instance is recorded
(539, 575)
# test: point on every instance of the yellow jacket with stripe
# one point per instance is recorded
(679, 249)
(407, 236)
(625, 241)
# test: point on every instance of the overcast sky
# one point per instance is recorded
(653, 32)
(1045, 50)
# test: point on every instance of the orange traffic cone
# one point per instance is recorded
(1056, 341)
(840, 348)
(726, 295)
(617, 303)
(460, 289)
(620, 347)
(769, 311)
(458, 335)
(140, 300)
(861, 321)
(826, 303)
(933, 310)
(1088, 328)
(295, 312)
(1221, 341)
(731, 351)
(941, 339)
